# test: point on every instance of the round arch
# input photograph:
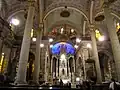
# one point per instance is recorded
(11, 14)
(14, 13)
(80, 11)
(54, 56)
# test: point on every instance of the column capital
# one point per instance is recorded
(41, 25)
(106, 5)
(31, 2)
(91, 27)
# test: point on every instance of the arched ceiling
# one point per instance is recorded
(10, 8)
(54, 18)
(83, 5)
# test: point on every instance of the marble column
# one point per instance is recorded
(46, 71)
(73, 80)
(95, 56)
(58, 66)
(74, 64)
(55, 67)
(83, 61)
(74, 70)
(52, 66)
(49, 66)
(37, 58)
(67, 68)
(77, 65)
(113, 38)
(23, 60)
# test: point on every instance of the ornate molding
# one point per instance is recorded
(78, 4)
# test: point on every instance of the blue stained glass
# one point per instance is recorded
(68, 48)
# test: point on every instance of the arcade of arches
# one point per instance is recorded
(41, 40)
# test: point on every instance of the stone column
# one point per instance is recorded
(55, 67)
(77, 65)
(114, 39)
(46, 71)
(74, 73)
(74, 64)
(58, 66)
(95, 56)
(49, 64)
(37, 58)
(52, 66)
(22, 68)
(67, 68)
(83, 61)
(73, 80)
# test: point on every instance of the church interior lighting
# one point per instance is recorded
(33, 39)
(101, 38)
(15, 21)
(88, 45)
(50, 40)
(78, 40)
(76, 46)
(41, 45)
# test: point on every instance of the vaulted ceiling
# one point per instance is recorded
(79, 11)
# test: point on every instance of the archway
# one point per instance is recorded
(80, 11)
(54, 66)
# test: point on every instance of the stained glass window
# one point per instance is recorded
(63, 47)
